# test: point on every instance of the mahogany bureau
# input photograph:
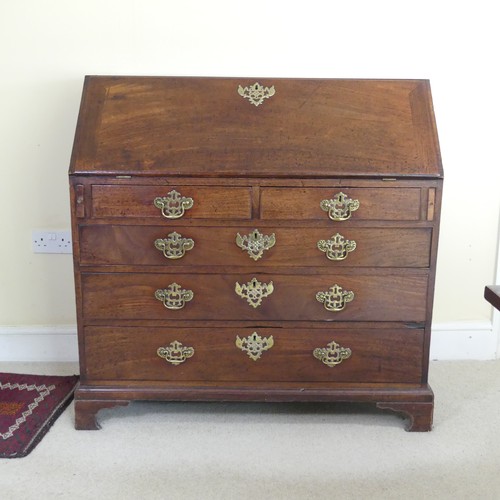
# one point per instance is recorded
(255, 240)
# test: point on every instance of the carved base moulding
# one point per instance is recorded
(415, 405)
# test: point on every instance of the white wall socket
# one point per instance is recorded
(49, 241)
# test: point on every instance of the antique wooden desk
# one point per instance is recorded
(255, 240)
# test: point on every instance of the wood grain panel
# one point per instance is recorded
(375, 204)
(210, 202)
(203, 127)
(134, 245)
(393, 297)
(131, 354)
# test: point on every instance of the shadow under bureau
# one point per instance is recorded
(255, 240)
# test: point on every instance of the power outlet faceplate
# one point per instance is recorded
(51, 241)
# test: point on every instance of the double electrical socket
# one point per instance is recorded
(51, 241)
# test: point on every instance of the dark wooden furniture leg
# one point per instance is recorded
(419, 414)
(86, 412)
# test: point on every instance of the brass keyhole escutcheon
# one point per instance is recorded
(254, 345)
(255, 243)
(254, 291)
(256, 93)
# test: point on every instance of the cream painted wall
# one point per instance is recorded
(47, 47)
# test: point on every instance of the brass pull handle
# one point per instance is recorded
(340, 207)
(335, 298)
(337, 247)
(174, 297)
(175, 353)
(254, 291)
(173, 205)
(255, 243)
(332, 354)
(174, 246)
(254, 345)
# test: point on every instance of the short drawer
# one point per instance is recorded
(208, 202)
(398, 204)
(195, 246)
(140, 296)
(260, 354)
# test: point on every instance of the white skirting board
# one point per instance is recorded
(450, 341)
(38, 343)
(464, 340)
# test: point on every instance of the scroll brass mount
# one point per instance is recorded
(175, 353)
(335, 298)
(332, 354)
(337, 247)
(173, 206)
(340, 207)
(174, 297)
(174, 246)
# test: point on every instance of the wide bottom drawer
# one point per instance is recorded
(254, 354)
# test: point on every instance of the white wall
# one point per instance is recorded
(48, 46)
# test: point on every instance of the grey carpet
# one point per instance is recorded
(258, 451)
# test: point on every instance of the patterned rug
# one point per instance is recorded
(29, 405)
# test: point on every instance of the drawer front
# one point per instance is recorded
(393, 297)
(135, 245)
(265, 355)
(208, 202)
(396, 204)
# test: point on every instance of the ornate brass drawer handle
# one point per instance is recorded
(173, 205)
(255, 243)
(174, 246)
(256, 93)
(337, 247)
(175, 353)
(335, 298)
(254, 291)
(254, 345)
(332, 354)
(340, 207)
(174, 297)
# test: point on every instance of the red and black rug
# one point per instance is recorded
(29, 405)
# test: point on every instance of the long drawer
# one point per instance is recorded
(140, 296)
(282, 355)
(347, 246)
